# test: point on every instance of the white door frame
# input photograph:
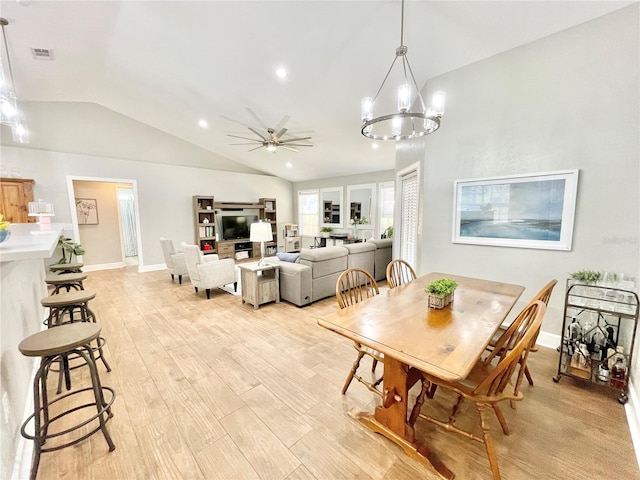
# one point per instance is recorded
(74, 215)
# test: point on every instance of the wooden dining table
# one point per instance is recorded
(415, 338)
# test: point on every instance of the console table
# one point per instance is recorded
(260, 283)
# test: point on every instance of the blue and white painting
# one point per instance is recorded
(527, 210)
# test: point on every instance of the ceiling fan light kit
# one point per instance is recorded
(412, 119)
(272, 138)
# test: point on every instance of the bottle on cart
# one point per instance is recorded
(619, 369)
(603, 372)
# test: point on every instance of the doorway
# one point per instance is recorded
(111, 237)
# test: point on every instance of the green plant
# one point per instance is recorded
(441, 287)
(326, 229)
(587, 276)
(67, 245)
(388, 233)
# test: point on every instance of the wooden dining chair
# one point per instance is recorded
(399, 272)
(353, 286)
(543, 295)
(487, 385)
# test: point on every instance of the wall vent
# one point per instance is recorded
(42, 53)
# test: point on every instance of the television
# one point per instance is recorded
(237, 226)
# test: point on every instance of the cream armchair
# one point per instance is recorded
(208, 271)
(173, 259)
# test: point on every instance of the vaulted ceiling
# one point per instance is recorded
(170, 64)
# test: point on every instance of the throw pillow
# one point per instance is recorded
(288, 257)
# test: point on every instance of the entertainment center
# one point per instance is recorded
(224, 227)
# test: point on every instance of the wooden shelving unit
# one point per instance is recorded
(268, 214)
(205, 226)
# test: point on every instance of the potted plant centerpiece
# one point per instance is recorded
(325, 232)
(441, 292)
(585, 276)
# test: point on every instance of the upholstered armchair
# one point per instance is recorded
(173, 259)
(208, 271)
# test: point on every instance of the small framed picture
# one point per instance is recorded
(87, 211)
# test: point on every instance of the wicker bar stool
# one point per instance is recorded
(66, 281)
(51, 345)
(66, 267)
(67, 308)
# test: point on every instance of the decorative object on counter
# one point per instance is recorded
(441, 292)
(5, 233)
(42, 210)
(586, 276)
(69, 246)
(325, 232)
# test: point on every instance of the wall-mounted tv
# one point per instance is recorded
(237, 226)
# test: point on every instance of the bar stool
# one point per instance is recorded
(63, 304)
(51, 345)
(66, 267)
(66, 281)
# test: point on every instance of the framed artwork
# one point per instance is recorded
(87, 211)
(527, 211)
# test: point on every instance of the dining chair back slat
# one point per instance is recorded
(399, 272)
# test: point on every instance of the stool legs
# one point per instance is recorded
(41, 407)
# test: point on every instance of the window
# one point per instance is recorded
(386, 194)
(409, 196)
(308, 212)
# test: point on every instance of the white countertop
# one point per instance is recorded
(30, 240)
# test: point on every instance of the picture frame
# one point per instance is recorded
(87, 211)
(525, 211)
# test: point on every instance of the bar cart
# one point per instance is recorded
(598, 332)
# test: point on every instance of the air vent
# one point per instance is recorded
(42, 53)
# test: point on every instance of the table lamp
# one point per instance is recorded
(261, 232)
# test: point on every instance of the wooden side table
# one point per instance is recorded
(260, 283)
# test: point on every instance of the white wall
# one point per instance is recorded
(164, 191)
(570, 100)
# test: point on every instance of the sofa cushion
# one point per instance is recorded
(324, 261)
(360, 247)
(382, 243)
(361, 255)
(288, 257)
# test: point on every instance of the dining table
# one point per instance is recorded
(415, 338)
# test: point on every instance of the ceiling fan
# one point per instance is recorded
(270, 138)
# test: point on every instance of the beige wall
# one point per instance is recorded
(101, 242)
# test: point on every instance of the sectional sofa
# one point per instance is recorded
(311, 275)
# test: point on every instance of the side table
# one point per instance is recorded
(260, 283)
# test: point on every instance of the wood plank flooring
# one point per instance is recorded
(211, 389)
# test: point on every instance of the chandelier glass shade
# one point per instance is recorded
(412, 119)
(9, 112)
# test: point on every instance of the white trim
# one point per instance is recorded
(549, 340)
(152, 268)
(104, 266)
(632, 419)
(74, 216)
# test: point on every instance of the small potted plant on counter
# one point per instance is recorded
(441, 292)
(325, 232)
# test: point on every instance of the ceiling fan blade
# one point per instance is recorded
(248, 143)
(294, 145)
(255, 148)
(284, 120)
(259, 134)
(288, 148)
(256, 118)
(294, 139)
(244, 138)
(235, 121)
(278, 135)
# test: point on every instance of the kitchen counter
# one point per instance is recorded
(30, 240)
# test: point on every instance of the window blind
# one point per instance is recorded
(308, 212)
(409, 216)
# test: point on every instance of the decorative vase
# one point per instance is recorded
(4, 235)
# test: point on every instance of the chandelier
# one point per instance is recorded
(412, 119)
(9, 112)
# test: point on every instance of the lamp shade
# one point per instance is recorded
(261, 232)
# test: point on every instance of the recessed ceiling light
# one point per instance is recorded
(281, 72)
(289, 165)
(203, 123)
(374, 145)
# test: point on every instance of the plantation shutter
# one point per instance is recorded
(409, 216)
(387, 200)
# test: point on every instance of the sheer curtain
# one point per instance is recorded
(128, 218)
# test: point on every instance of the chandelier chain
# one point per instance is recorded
(6, 49)
(402, 25)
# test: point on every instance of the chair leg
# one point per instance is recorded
(235, 286)
(415, 411)
(172, 277)
(196, 289)
(527, 374)
(488, 442)
(352, 372)
(180, 279)
(208, 291)
(455, 409)
(501, 419)
(374, 365)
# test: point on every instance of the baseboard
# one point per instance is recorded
(104, 266)
(151, 268)
(549, 340)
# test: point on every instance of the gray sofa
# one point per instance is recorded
(314, 273)
(383, 256)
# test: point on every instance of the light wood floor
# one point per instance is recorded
(211, 389)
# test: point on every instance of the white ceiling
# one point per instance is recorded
(170, 63)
